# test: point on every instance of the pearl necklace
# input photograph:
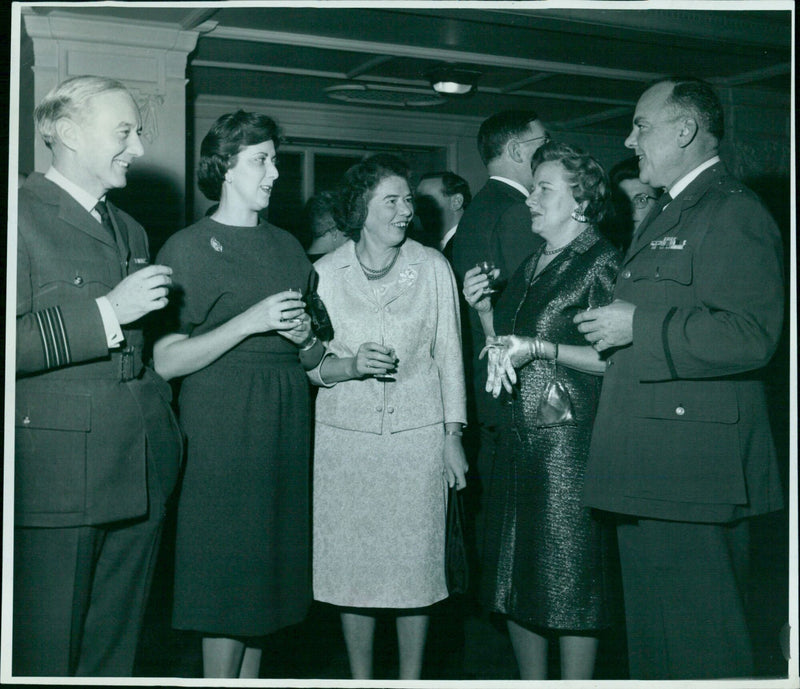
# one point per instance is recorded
(372, 274)
(552, 252)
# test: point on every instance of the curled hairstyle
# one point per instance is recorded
(229, 135)
(496, 131)
(697, 98)
(585, 175)
(452, 184)
(357, 187)
(70, 99)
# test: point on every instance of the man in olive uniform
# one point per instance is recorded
(682, 448)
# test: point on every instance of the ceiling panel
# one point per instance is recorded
(580, 68)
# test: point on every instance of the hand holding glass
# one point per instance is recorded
(491, 271)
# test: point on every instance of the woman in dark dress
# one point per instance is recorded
(242, 342)
(546, 558)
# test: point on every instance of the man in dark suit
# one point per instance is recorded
(440, 200)
(682, 448)
(497, 228)
(97, 448)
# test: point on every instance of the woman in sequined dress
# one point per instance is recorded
(546, 557)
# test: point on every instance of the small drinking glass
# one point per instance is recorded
(388, 377)
(299, 292)
(487, 268)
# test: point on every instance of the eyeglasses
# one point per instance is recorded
(642, 200)
(546, 138)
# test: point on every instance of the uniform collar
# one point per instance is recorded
(687, 179)
(84, 198)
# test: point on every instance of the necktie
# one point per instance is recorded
(105, 219)
(116, 237)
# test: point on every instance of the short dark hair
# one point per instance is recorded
(451, 184)
(624, 169)
(316, 207)
(587, 177)
(697, 97)
(354, 193)
(496, 130)
(229, 135)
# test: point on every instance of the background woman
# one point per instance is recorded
(545, 557)
(631, 201)
(241, 340)
(388, 419)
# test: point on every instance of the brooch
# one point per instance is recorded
(216, 245)
(667, 243)
(407, 277)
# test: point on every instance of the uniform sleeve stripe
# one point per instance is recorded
(62, 335)
(53, 334)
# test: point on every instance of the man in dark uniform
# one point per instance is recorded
(682, 448)
(97, 448)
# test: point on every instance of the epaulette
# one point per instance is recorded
(730, 185)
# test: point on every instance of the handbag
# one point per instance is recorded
(455, 554)
(320, 320)
(555, 406)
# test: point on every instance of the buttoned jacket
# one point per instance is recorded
(83, 412)
(418, 316)
(682, 430)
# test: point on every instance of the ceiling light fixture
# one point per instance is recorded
(453, 81)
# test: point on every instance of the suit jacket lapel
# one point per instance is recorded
(69, 210)
(407, 270)
(353, 275)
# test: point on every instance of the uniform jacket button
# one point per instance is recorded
(26, 421)
(626, 274)
(680, 411)
(378, 408)
(390, 410)
(77, 280)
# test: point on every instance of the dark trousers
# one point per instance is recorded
(684, 587)
(80, 594)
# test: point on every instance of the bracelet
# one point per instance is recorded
(310, 344)
(458, 433)
(536, 348)
(555, 356)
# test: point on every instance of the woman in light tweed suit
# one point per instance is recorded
(388, 419)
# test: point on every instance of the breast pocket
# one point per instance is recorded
(78, 278)
(50, 446)
(665, 275)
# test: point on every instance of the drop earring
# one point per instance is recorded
(579, 216)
